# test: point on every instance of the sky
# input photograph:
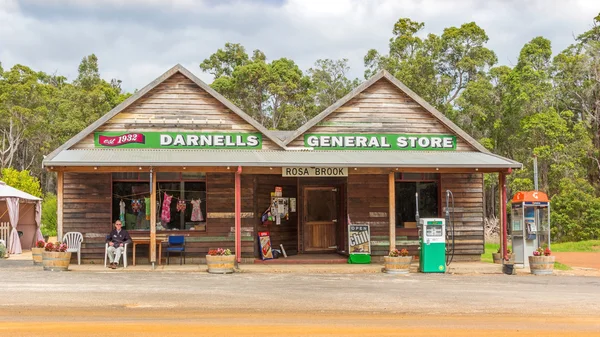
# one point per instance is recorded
(138, 40)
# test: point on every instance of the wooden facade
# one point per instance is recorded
(381, 108)
(178, 102)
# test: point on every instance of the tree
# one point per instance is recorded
(275, 93)
(577, 82)
(329, 81)
(437, 68)
(23, 114)
(22, 180)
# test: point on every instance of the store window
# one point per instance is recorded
(407, 187)
(180, 200)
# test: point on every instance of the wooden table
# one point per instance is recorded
(145, 240)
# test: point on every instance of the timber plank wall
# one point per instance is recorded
(287, 232)
(177, 104)
(88, 202)
(468, 213)
(368, 205)
(381, 108)
(87, 209)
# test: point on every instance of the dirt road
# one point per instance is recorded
(37, 303)
(169, 322)
(581, 259)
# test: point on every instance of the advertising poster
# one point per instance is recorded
(264, 240)
(359, 239)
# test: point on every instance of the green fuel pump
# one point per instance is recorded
(432, 258)
(436, 244)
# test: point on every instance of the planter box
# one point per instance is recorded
(56, 261)
(36, 254)
(541, 265)
(397, 265)
(220, 264)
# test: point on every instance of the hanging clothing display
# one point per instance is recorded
(136, 205)
(196, 211)
(147, 205)
(122, 211)
(181, 206)
(165, 215)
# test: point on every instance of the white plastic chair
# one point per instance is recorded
(73, 241)
(124, 254)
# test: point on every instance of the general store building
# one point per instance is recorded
(361, 161)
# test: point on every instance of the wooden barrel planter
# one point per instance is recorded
(497, 257)
(541, 265)
(56, 261)
(36, 253)
(220, 264)
(397, 265)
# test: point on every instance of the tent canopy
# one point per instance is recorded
(11, 192)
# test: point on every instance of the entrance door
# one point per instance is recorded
(320, 218)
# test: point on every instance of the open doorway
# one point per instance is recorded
(406, 201)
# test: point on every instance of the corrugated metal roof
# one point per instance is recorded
(175, 157)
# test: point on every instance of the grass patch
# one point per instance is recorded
(580, 246)
(489, 249)
(560, 266)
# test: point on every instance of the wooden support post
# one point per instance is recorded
(392, 208)
(238, 215)
(153, 218)
(59, 204)
(502, 211)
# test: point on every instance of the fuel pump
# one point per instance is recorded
(432, 243)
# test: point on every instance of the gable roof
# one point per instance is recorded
(133, 98)
(384, 74)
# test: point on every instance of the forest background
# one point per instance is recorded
(545, 105)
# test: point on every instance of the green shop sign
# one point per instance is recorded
(380, 142)
(178, 140)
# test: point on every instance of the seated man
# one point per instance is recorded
(116, 243)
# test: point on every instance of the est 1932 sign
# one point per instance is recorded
(314, 172)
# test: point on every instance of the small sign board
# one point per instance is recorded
(264, 241)
(359, 239)
(314, 172)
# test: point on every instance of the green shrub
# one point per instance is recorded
(2, 250)
(22, 180)
(49, 215)
(575, 212)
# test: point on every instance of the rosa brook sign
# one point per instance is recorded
(314, 171)
(415, 142)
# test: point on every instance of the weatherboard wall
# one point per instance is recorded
(381, 108)
(87, 208)
(176, 105)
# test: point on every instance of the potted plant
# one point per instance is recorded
(55, 257)
(497, 257)
(542, 261)
(220, 261)
(508, 264)
(397, 261)
(36, 252)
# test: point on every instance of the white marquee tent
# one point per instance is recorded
(10, 201)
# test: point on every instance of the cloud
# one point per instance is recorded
(137, 40)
